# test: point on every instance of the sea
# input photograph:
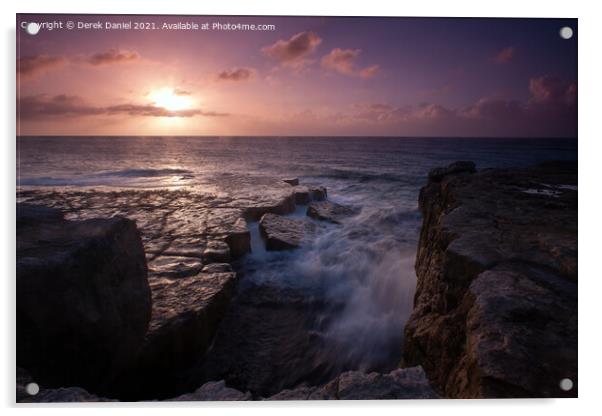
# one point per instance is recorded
(365, 266)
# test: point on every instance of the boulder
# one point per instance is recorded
(213, 391)
(302, 195)
(403, 383)
(83, 299)
(186, 313)
(281, 233)
(292, 181)
(495, 310)
(328, 211)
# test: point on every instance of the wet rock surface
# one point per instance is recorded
(495, 311)
(83, 299)
(189, 238)
(281, 233)
(329, 211)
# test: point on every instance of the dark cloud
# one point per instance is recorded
(33, 65)
(112, 56)
(293, 52)
(237, 74)
(343, 61)
(41, 106)
(505, 55)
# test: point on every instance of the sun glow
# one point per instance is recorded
(167, 98)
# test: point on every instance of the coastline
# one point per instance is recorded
(180, 257)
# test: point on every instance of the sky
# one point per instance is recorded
(301, 76)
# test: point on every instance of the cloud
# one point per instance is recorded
(343, 61)
(236, 74)
(181, 92)
(293, 52)
(112, 56)
(37, 64)
(552, 90)
(505, 55)
(62, 105)
(369, 71)
(551, 111)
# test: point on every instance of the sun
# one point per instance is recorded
(167, 98)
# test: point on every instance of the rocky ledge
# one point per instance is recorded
(406, 383)
(121, 291)
(495, 310)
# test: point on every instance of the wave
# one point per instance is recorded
(119, 177)
(146, 173)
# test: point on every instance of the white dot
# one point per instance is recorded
(566, 384)
(566, 32)
(32, 28)
(32, 389)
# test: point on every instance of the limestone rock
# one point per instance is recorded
(403, 383)
(217, 252)
(329, 211)
(318, 194)
(302, 195)
(186, 313)
(437, 174)
(281, 233)
(83, 299)
(292, 181)
(495, 310)
(217, 268)
(239, 239)
(214, 391)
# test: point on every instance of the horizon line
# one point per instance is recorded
(296, 136)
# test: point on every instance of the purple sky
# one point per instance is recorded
(309, 76)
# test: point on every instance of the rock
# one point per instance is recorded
(292, 181)
(44, 395)
(437, 174)
(406, 383)
(28, 214)
(217, 268)
(175, 266)
(284, 206)
(299, 393)
(83, 299)
(318, 194)
(495, 310)
(213, 391)
(218, 252)
(403, 383)
(281, 233)
(302, 195)
(186, 313)
(329, 211)
(239, 239)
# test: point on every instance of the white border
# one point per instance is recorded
(590, 71)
